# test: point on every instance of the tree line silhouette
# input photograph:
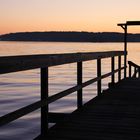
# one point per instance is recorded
(70, 37)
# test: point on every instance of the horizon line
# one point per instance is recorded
(64, 32)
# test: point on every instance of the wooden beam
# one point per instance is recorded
(125, 50)
(133, 64)
(133, 23)
(44, 96)
(99, 88)
(79, 82)
(119, 67)
(129, 23)
(112, 69)
(20, 63)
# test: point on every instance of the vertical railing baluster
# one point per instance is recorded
(125, 50)
(119, 67)
(99, 88)
(130, 70)
(79, 82)
(135, 72)
(138, 72)
(44, 96)
(112, 70)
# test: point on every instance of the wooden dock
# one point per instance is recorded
(114, 115)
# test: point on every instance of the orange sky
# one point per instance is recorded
(67, 15)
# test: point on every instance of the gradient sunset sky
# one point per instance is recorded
(67, 15)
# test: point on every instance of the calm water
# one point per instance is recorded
(23, 88)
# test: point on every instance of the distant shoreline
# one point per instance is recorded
(99, 37)
(63, 41)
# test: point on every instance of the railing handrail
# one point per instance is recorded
(133, 64)
(10, 64)
(136, 69)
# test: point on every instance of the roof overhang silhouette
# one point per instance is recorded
(130, 23)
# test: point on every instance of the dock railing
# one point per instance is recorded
(136, 70)
(11, 64)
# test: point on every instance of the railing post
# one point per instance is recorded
(99, 75)
(119, 67)
(139, 73)
(112, 70)
(79, 82)
(130, 70)
(135, 72)
(125, 50)
(44, 96)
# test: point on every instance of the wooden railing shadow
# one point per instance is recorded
(22, 63)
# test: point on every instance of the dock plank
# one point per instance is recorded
(115, 115)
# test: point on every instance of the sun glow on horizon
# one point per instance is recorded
(67, 15)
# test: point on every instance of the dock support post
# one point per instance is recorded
(130, 70)
(135, 72)
(99, 75)
(79, 82)
(139, 73)
(119, 67)
(124, 27)
(112, 70)
(44, 96)
(125, 50)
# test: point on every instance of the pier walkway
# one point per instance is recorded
(114, 115)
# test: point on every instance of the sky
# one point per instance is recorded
(67, 15)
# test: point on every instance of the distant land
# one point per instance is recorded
(69, 37)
